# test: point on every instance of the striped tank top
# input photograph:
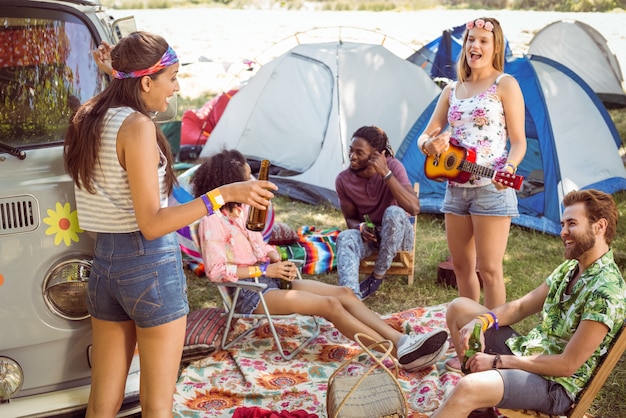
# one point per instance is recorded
(110, 209)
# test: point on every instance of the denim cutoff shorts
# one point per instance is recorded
(133, 278)
(248, 300)
(484, 200)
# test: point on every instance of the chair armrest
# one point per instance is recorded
(253, 286)
(298, 263)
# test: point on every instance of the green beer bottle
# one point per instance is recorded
(474, 346)
(371, 226)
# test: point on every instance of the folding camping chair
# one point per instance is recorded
(403, 264)
(589, 393)
(229, 306)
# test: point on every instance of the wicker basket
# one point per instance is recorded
(374, 394)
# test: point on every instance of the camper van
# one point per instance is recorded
(46, 71)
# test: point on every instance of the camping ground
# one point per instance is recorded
(226, 37)
(530, 257)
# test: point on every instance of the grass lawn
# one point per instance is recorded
(530, 257)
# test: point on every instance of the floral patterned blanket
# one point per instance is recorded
(253, 374)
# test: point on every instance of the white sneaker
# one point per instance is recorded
(426, 361)
(420, 349)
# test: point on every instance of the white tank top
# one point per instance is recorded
(479, 122)
(110, 209)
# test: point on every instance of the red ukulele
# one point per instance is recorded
(458, 164)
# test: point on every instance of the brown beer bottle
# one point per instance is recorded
(256, 217)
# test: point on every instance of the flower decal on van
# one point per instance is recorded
(63, 224)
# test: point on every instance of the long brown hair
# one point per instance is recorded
(463, 70)
(137, 51)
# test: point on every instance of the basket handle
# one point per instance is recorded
(378, 358)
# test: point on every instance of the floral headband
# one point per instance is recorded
(168, 58)
(479, 23)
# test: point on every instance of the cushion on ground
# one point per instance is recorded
(203, 334)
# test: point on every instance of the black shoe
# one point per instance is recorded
(369, 286)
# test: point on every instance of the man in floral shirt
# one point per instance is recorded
(582, 305)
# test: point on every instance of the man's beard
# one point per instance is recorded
(582, 244)
(358, 170)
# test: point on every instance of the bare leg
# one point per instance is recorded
(112, 351)
(160, 351)
(460, 236)
(338, 304)
(459, 312)
(474, 391)
(491, 236)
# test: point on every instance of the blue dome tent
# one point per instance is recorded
(572, 141)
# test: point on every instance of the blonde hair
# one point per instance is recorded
(463, 70)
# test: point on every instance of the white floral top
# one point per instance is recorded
(478, 123)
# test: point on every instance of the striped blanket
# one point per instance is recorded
(317, 249)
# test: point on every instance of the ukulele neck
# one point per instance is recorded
(476, 169)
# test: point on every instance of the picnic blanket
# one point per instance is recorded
(254, 375)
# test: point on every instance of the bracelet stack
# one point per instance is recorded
(511, 165)
(213, 201)
(488, 319)
(258, 271)
(263, 267)
(254, 272)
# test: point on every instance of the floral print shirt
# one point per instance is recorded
(599, 295)
(478, 123)
(226, 242)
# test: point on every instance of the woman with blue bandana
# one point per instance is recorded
(120, 162)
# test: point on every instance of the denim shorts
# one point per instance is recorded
(484, 200)
(136, 279)
(248, 300)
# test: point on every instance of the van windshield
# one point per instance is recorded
(46, 72)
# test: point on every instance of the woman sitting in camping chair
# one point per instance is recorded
(233, 253)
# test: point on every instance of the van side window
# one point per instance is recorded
(46, 72)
